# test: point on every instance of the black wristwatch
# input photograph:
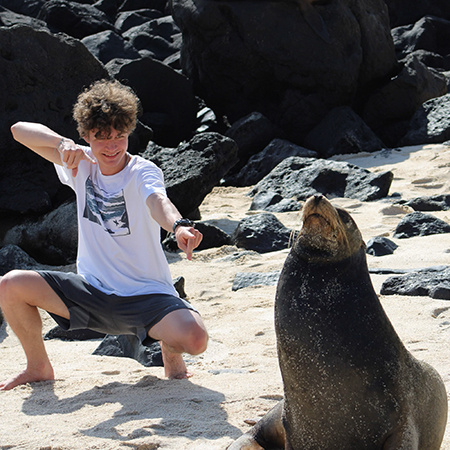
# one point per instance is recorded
(183, 223)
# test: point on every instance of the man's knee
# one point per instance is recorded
(11, 285)
(7, 283)
(196, 340)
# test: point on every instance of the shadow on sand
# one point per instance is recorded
(170, 407)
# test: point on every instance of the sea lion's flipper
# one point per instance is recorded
(267, 434)
(315, 21)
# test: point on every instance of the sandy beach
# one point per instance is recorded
(99, 402)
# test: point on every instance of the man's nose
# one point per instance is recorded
(112, 145)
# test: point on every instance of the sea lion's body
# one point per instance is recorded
(349, 382)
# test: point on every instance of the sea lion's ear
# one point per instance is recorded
(345, 216)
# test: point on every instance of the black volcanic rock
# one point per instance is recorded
(300, 178)
(433, 282)
(212, 237)
(170, 109)
(440, 202)
(129, 346)
(405, 12)
(261, 233)
(420, 224)
(380, 246)
(192, 169)
(428, 33)
(260, 164)
(396, 101)
(75, 19)
(52, 239)
(430, 123)
(342, 131)
(251, 134)
(39, 84)
(264, 56)
(107, 45)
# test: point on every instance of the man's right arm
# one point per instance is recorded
(50, 145)
(39, 138)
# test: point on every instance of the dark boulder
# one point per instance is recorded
(430, 123)
(248, 279)
(10, 18)
(192, 169)
(129, 346)
(129, 19)
(72, 335)
(273, 202)
(260, 164)
(13, 257)
(133, 5)
(429, 33)
(300, 178)
(389, 108)
(380, 246)
(404, 12)
(251, 134)
(109, 7)
(261, 233)
(420, 224)
(447, 79)
(178, 284)
(433, 282)
(75, 19)
(107, 45)
(212, 237)
(269, 57)
(431, 60)
(167, 98)
(39, 84)
(158, 38)
(28, 8)
(430, 203)
(52, 240)
(342, 131)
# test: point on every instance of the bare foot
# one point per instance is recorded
(27, 377)
(174, 365)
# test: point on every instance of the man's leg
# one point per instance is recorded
(180, 331)
(21, 293)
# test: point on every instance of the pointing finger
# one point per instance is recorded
(190, 245)
(89, 158)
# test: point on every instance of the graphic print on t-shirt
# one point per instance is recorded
(108, 210)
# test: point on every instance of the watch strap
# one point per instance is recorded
(183, 223)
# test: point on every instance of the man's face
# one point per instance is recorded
(109, 149)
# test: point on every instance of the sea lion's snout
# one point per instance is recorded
(318, 207)
(317, 198)
(328, 230)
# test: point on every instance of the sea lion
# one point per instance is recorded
(349, 382)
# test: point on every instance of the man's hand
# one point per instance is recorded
(188, 239)
(72, 154)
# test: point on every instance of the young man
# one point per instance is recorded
(123, 284)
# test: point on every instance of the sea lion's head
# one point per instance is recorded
(328, 234)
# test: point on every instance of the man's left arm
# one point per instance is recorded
(166, 214)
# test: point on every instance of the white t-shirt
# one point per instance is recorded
(119, 244)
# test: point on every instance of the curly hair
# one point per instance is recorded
(106, 104)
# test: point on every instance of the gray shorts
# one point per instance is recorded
(111, 314)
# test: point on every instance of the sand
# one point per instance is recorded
(99, 402)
